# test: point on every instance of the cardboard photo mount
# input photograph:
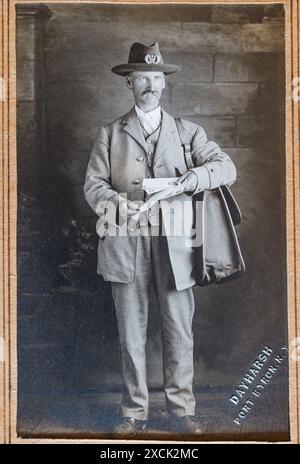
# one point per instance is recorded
(8, 210)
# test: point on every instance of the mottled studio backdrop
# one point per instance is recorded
(232, 83)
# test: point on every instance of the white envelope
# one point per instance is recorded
(160, 189)
(158, 184)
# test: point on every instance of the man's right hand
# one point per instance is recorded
(127, 209)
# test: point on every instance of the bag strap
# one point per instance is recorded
(185, 143)
(234, 235)
(233, 207)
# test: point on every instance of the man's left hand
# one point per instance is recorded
(189, 180)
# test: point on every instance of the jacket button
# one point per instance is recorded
(136, 181)
(140, 159)
(150, 153)
(149, 141)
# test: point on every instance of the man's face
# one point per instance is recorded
(147, 87)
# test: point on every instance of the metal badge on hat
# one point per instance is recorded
(152, 59)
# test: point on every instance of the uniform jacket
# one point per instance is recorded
(118, 165)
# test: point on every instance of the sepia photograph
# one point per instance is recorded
(151, 222)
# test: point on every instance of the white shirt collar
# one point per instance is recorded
(150, 120)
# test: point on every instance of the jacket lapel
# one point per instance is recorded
(168, 135)
(133, 128)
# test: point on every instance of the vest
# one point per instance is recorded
(151, 142)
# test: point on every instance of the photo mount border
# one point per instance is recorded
(8, 211)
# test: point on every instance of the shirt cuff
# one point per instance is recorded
(203, 179)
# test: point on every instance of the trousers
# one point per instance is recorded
(176, 309)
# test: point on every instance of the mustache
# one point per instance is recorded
(154, 92)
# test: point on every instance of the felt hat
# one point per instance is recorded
(144, 58)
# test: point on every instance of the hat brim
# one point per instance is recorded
(124, 69)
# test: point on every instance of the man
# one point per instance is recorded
(145, 143)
